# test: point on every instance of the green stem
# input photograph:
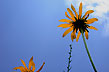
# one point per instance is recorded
(88, 52)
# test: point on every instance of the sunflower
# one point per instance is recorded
(31, 64)
(77, 23)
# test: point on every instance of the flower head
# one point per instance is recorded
(77, 23)
(31, 65)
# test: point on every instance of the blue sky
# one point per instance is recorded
(29, 28)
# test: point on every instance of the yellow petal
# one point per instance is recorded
(33, 68)
(86, 34)
(67, 31)
(91, 27)
(33, 65)
(80, 10)
(65, 25)
(71, 14)
(65, 20)
(74, 11)
(24, 64)
(73, 35)
(41, 67)
(22, 69)
(89, 21)
(67, 15)
(88, 12)
(30, 63)
(79, 33)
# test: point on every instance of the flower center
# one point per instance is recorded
(80, 24)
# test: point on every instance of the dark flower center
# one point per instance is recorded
(80, 24)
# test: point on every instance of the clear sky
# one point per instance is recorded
(29, 28)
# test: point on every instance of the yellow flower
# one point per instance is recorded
(77, 22)
(31, 65)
